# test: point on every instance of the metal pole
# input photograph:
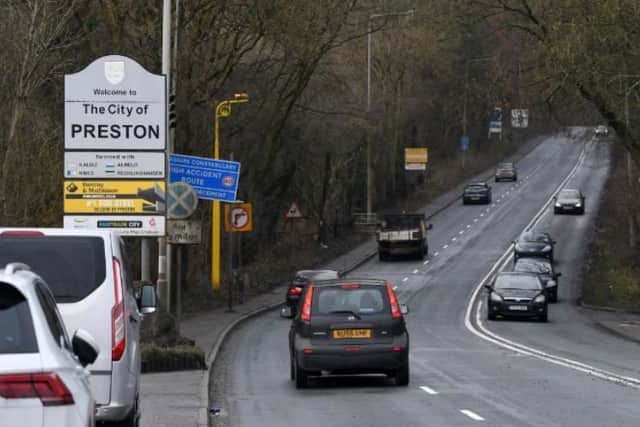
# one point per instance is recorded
(163, 276)
(215, 211)
(179, 274)
(230, 273)
(369, 168)
(145, 259)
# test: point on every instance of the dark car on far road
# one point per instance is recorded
(506, 171)
(533, 244)
(304, 277)
(544, 270)
(569, 200)
(517, 295)
(349, 326)
(478, 192)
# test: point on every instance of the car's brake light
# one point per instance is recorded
(48, 387)
(22, 233)
(295, 290)
(118, 330)
(350, 286)
(393, 301)
(305, 315)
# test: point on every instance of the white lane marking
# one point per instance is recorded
(472, 415)
(489, 336)
(428, 390)
(493, 205)
(405, 279)
(476, 219)
(461, 232)
(481, 214)
(426, 262)
(415, 271)
(395, 287)
(436, 254)
(445, 246)
(453, 239)
(468, 225)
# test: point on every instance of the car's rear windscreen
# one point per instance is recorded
(72, 266)
(16, 326)
(401, 221)
(359, 300)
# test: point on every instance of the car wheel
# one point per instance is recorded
(464, 202)
(426, 250)
(554, 296)
(491, 316)
(582, 211)
(544, 317)
(301, 377)
(382, 256)
(402, 375)
(292, 371)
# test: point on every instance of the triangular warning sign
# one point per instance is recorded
(294, 212)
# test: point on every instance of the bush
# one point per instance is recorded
(156, 358)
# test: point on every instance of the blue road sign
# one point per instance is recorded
(212, 179)
(464, 143)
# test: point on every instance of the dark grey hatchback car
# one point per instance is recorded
(349, 326)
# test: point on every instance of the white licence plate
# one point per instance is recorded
(567, 207)
(518, 307)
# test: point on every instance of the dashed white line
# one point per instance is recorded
(453, 239)
(426, 262)
(415, 271)
(493, 205)
(480, 215)
(445, 246)
(428, 390)
(468, 225)
(436, 254)
(405, 279)
(395, 287)
(461, 232)
(475, 219)
(472, 415)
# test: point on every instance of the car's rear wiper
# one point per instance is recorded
(354, 314)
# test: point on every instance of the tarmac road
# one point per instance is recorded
(568, 373)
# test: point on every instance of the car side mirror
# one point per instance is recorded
(84, 347)
(557, 275)
(404, 309)
(489, 288)
(551, 284)
(286, 312)
(554, 242)
(147, 302)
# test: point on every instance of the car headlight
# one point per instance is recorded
(547, 248)
(558, 204)
(578, 204)
(496, 297)
(518, 248)
(540, 298)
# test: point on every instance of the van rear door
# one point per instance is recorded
(78, 270)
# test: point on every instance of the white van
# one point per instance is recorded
(88, 277)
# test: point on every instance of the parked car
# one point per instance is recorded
(303, 278)
(88, 276)
(569, 200)
(533, 244)
(544, 269)
(349, 326)
(478, 192)
(42, 377)
(517, 295)
(506, 171)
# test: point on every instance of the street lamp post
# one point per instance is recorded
(369, 166)
(223, 109)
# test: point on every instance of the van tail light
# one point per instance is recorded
(118, 329)
(48, 387)
(393, 301)
(305, 315)
(295, 290)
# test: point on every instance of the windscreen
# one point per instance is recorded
(16, 326)
(569, 194)
(401, 221)
(361, 300)
(476, 189)
(72, 266)
(533, 267)
(513, 281)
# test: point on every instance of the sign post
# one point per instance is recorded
(416, 159)
(114, 139)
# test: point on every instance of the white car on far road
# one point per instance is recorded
(43, 381)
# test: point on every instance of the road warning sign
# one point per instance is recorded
(238, 217)
(294, 212)
(114, 197)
